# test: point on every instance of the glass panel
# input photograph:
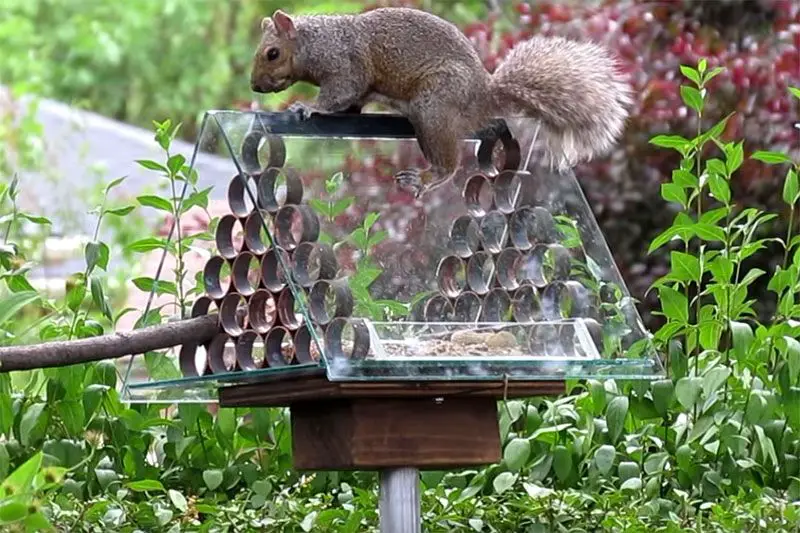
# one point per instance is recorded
(320, 242)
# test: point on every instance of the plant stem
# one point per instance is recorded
(86, 273)
(10, 222)
(179, 269)
(786, 248)
(727, 322)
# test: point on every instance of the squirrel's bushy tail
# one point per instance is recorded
(573, 88)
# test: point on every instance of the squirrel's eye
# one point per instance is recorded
(272, 54)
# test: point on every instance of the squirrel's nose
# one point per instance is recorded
(256, 85)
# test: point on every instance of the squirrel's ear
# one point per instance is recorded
(265, 23)
(284, 24)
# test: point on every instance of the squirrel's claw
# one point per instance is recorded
(411, 181)
(302, 110)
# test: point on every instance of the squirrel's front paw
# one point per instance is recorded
(304, 111)
(411, 181)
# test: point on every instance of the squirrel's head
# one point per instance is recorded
(273, 66)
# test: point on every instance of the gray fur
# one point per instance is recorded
(426, 69)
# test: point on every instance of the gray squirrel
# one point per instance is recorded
(426, 69)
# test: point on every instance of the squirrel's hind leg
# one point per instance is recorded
(438, 135)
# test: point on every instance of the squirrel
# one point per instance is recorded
(426, 69)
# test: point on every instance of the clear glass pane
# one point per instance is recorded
(330, 249)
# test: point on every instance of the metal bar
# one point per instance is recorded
(399, 506)
(352, 125)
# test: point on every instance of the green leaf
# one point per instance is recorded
(262, 487)
(376, 238)
(308, 521)
(19, 283)
(633, 484)
(5, 461)
(794, 91)
(77, 293)
(12, 512)
(96, 254)
(33, 424)
(333, 183)
(562, 462)
(684, 178)
(688, 390)
(615, 416)
(114, 183)
(716, 166)
(793, 358)
(690, 73)
(604, 458)
(734, 153)
(663, 393)
(710, 332)
(12, 303)
(359, 238)
(742, 337)
(155, 202)
(198, 198)
(685, 267)
(771, 158)
(752, 275)
(654, 464)
(503, 482)
(714, 379)
(683, 456)
(21, 479)
(342, 205)
(671, 141)
(627, 470)
(371, 219)
(717, 129)
(152, 165)
(175, 163)
(99, 298)
(42, 221)
(674, 304)
(320, 207)
(164, 287)
(790, 187)
(121, 211)
(719, 188)
(72, 415)
(516, 453)
(147, 485)
(701, 65)
(692, 97)
(721, 269)
(682, 227)
(767, 448)
(672, 192)
(147, 245)
(709, 232)
(212, 478)
(713, 74)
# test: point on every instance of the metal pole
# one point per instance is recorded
(399, 507)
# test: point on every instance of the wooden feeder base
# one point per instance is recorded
(380, 425)
(373, 434)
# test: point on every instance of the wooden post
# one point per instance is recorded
(399, 506)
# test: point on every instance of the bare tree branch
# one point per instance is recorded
(120, 344)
